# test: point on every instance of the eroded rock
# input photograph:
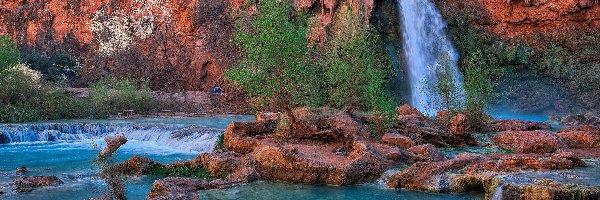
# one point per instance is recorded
(580, 139)
(429, 152)
(529, 141)
(397, 140)
(515, 125)
(29, 183)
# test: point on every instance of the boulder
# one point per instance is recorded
(29, 183)
(549, 190)
(239, 136)
(21, 170)
(4, 138)
(515, 125)
(397, 140)
(539, 162)
(429, 152)
(432, 176)
(580, 139)
(459, 125)
(180, 188)
(407, 110)
(312, 164)
(529, 141)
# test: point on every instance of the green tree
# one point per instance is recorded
(275, 69)
(356, 65)
(9, 53)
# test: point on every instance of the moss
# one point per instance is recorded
(220, 142)
(178, 170)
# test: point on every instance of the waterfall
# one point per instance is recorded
(426, 47)
(182, 137)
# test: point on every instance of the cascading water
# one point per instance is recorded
(426, 48)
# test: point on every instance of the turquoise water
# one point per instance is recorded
(71, 160)
(285, 191)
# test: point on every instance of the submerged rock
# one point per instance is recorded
(529, 141)
(179, 188)
(4, 139)
(29, 183)
(21, 170)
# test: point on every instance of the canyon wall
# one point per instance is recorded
(182, 45)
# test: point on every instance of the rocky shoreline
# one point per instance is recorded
(338, 148)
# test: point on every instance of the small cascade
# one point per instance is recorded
(426, 49)
(498, 193)
(182, 137)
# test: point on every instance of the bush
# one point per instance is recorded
(356, 66)
(109, 96)
(443, 89)
(54, 68)
(9, 53)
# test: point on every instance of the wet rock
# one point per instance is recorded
(585, 128)
(587, 119)
(423, 130)
(432, 176)
(407, 110)
(515, 125)
(136, 165)
(397, 140)
(529, 141)
(178, 188)
(429, 152)
(548, 191)
(580, 139)
(238, 136)
(459, 125)
(584, 153)
(21, 170)
(29, 183)
(262, 116)
(4, 139)
(539, 162)
(312, 164)
(112, 144)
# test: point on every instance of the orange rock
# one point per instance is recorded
(397, 140)
(262, 116)
(459, 125)
(580, 139)
(429, 152)
(529, 141)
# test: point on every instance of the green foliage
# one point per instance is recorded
(9, 53)
(356, 66)
(478, 84)
(109, 96)
(220, 142)
(275, 67)
(54, 68)
(279, 66)
(443, 87)
(183, 170)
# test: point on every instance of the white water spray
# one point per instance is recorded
(426, 46)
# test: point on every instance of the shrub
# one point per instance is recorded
(9, 53)
(356, 66)
(109, 96)
(220, 142)
(443, 89)
(55, 68)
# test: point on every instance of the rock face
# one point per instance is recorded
(29, 183)
(512, 19)
(529, 141)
